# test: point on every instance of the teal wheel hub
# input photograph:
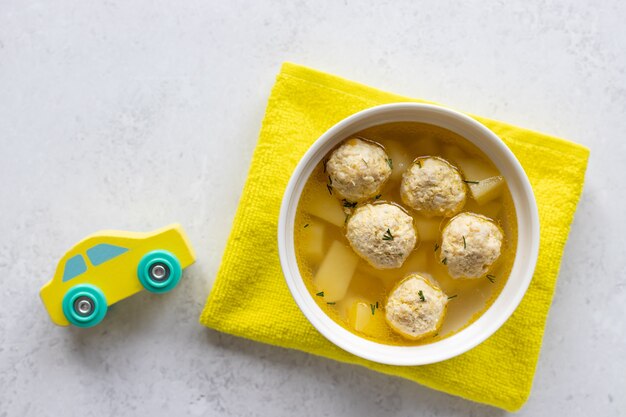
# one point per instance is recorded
(84, 305)
(159, 271)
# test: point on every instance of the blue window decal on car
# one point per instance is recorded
(103, 252)
(74, 267)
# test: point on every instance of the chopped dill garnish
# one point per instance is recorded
(325, 162)
(491, 278)
(330, 188)
(330, 180)
(436, 334)
(388, 235)
(436, 246)
(349, 204)
(332, 303)
(453, 296)
(373, 308)
(365, 162)
(421, 294)
(345, 221)
(306, 225)
(418, 163)
(378, 196)
(376, 304)
(470, 182)
(444, 261)
(390, 163)
(320, 294)
(464, 243)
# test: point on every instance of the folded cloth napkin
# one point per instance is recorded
(250, 297)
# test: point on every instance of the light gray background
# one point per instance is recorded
(134, 114)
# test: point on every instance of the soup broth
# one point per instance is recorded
(352, 292)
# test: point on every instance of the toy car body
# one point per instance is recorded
(109, 266)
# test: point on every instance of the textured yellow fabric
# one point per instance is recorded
(250, 298)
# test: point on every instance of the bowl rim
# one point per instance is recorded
(526, 253)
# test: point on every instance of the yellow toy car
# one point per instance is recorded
(109, 266)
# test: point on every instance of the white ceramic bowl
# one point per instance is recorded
(525, 257)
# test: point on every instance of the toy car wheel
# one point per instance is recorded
(84, 305)
(159, 271)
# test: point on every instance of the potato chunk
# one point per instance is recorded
(324, 206)
(486, 190)
(313, 240)
(335, 273)
(368, 317)
(400, 157)
(360, 315)
(475, 170)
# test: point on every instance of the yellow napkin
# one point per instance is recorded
(250, 298)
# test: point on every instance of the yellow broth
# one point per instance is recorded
(320, 221)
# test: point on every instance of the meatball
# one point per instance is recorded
(433, 187)
(470, 244)
(382, 234)
(416, 307)
(358, 169)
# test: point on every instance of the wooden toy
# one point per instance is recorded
(110, 265)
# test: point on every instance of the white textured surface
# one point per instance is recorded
(133, 114)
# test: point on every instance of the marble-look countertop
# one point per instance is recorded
(134, 114)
